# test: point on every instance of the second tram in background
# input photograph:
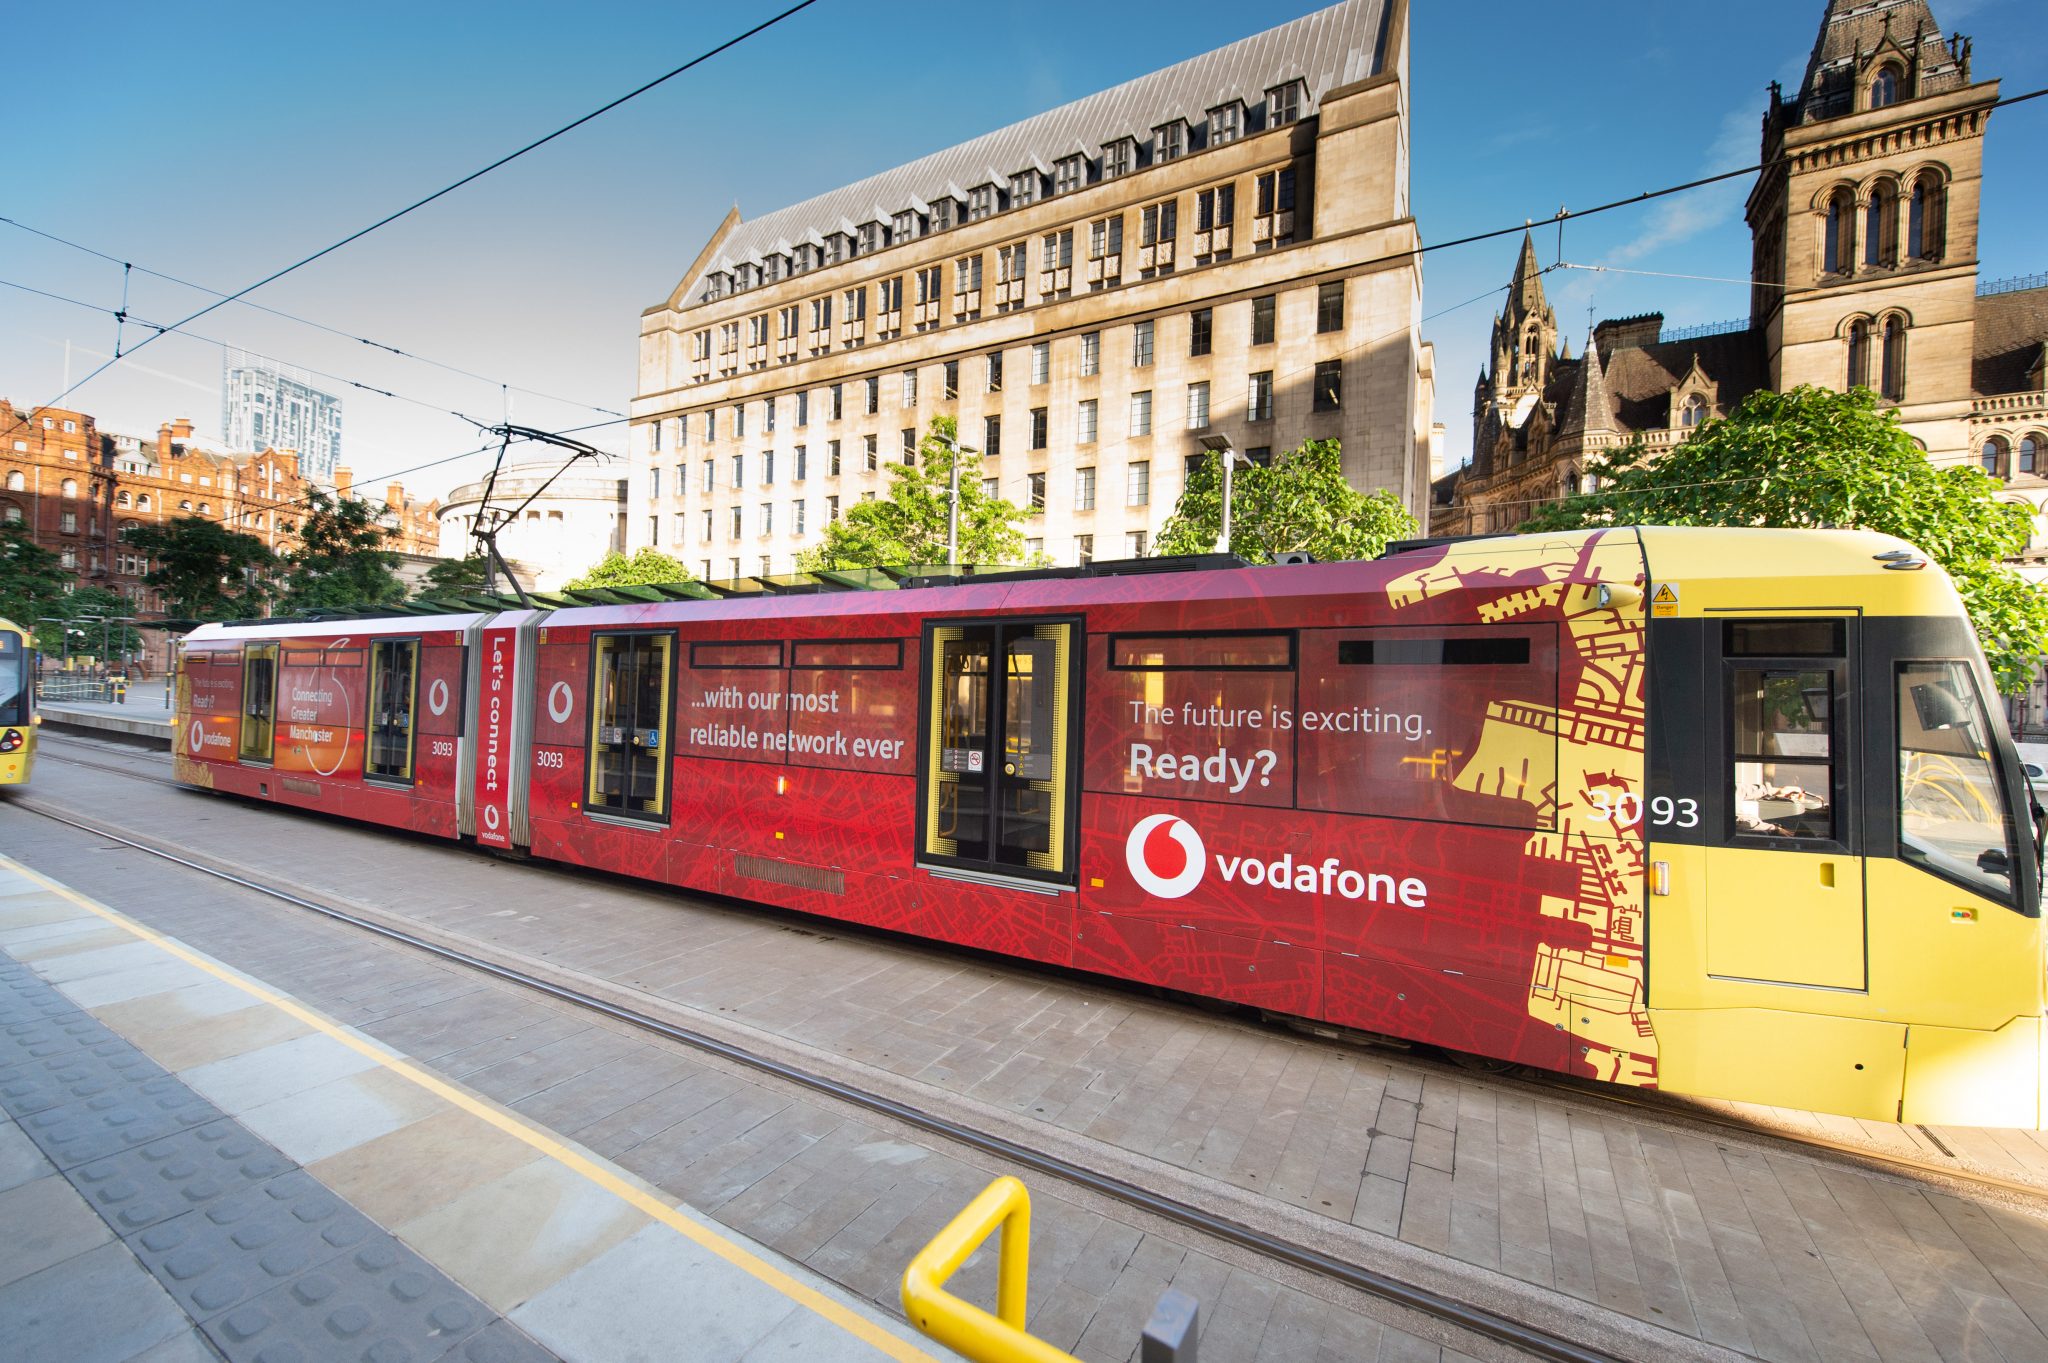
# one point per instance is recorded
(17, 703)
(1718, 811)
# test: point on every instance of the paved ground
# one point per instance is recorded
(1775, 1255)
(201, 1169)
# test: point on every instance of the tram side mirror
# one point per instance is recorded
(1815, 700)
(1938, 708)
(1994, 861)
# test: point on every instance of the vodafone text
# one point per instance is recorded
(1328, 877)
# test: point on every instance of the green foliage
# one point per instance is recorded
(32, 578)
(1815, 457)
(80, 613)
(908, 525)
(645, 567)
(452, 577)
(1298, 503)
(341, 559)
(205, 570)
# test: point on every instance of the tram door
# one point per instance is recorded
(998, 776)
(1785, 876)
(259, 702)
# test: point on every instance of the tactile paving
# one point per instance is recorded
(272, 1264)
(379, 1302)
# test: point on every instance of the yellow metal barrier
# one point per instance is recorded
(962, 1326)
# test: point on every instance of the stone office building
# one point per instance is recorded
(1222, 247)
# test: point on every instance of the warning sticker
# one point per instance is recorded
(1665, 600)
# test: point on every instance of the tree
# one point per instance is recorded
(205, 570)
(341, 559)
(645, 567)
(452, 577)
(1300, 503)
(79, 613)
(1815, 457)
(31, 577)
(908, 526)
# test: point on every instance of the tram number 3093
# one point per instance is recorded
(1626, 811)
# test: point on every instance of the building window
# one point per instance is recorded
(1215, 208)
(710, 479)
(1141, 344)
(991, 488)
(68, 523)
(767, 468)
(1091, 354)
(1884, 89)
(654, 437)
(1859, 354)
(1283, 104)
(874, 396)
(981, 202)
(995, 372)
(1330, 307)
(1226, 123)
(1141, 413)
(1692, 411)
(1034, 486)
(16, 481)
(1170, 140)
(1138, 483)
(1084, 489)
(768, 414)
(1041, 361)
(1119, 157)
(803, 459)
(797, 513)
(1084, 550)
(871, 453)
(1992, 456)
(1262, 320)
(831, 510)
(1881, 227)
(739, 422)
(1085, 433)
(767, 518)
(1259, 402)
(1069, 173)
(1923, 218)
(1201, 331)
(654, 483)
(1276, 191)
(1134, 544)
(1159, 222)
(1198, 406)
(910, 444)
(739, 470)
(2030, 454)
(1894, 377)
(1056, 250)
(733, 527)
(856, 305)
(70, 487)
(1038, 428)
(1837, 246)
(832, 465)
(1329, 385)
(803, 408)
(991, 436)
(1025, 187)
(910, 388)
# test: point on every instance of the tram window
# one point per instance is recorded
(13, 681)
(765, 655)
(1456, 726)
(1192, 716)
(960, 812)
(1783, 775)
(852, 706)
(628, 725)
(1785, 639)
(259, 702)
(394, 694)
(1952, 812)
(1208, 652)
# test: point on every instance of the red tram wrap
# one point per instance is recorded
(1405, 796)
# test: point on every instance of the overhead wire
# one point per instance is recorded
(387, 219)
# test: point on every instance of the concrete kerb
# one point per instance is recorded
(1583, 1322)
(66, 719)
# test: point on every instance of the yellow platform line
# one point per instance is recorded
(737, 1255)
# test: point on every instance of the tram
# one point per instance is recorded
(1718, 811)
(18, 719)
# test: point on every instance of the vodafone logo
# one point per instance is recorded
(196, 736)
(1165, 855)
(561, 703)
(437, 696)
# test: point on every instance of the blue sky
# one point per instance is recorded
(222, 143)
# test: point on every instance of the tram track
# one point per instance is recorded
(1669, 1110)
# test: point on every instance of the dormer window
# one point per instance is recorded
(838, 246)
(717, 284)
(806, 258)
(774, 268)
(1026, 187)
(907, 226)
(743, 277)
(1692, 411)
(1226, 123)
(982, 202)
(1069, 173)
(1283, 103)
(1170, 140)
(1119, 157)
(1884, 87)
(870, 237)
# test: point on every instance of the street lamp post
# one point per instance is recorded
(953, 498)
(1220, 444)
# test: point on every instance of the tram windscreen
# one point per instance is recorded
(1953, 817)
(14, 681)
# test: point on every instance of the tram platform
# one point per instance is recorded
(196, 1165)
(145, 714)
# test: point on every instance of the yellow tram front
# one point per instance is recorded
(1851, 920)
(17, 704)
